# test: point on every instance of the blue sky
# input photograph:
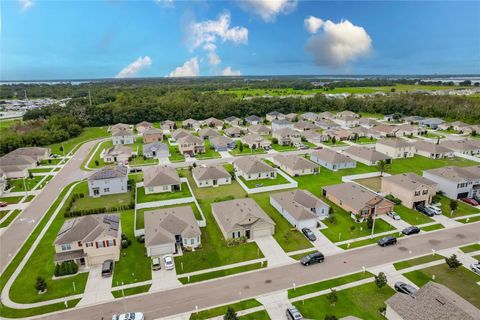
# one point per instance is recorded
(107, 38)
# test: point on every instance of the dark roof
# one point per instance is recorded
(110, 173)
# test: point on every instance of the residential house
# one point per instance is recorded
(180, 133)
(16, 164)
(347, 113)
(456, 182)
(152, 134)
(326, 115)
(431, 123)
(108, 180)
(412, 119)
(122, 134)
(191, 124)
(168, 125)
(190, 145)
(253, 168)
(367, 156)
(310, 116)
(253, 119)
(233, 132)
(396, 148)
(142, 126)
(259, 129)
(300, 208)
(303, 125)
(360, 131)
(242, 218)
(295, 165)
(207, 133)
(332, 160)
(368, 122)
(281, 124)
(287, 136)
(211, 176)
(157, 150)
(89, 240)
(117, 154)
(445, 126)
(409, 130)
(222, 143)
(274, 115)
(339, 134)
(409, 187)
(213, 123)
(347, 121)
(471, 129)
(169, 228)
(291, 117)
(459, 126)
(468, 147)
(327, 124)
(432, 150)
(314, 137)
(160, 179)
(233, 121)
(357, 200)
(386, 130)
(253, 140)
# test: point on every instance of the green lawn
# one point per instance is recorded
(434, 136)
(18, 185)
(417, 261)
(301, 255)
(222, 273)
(10, 218)
(462, 281)
(97, 152)
(471, 248)
(51, 162)
(368, 241)
(362, 301)
(259, 315)
(140, 212)
(366, 140)
(108, 201)
(411, 216)
(327, 284)
(183, 193)
(219, 311)
(432, 227)
(26, 313)
(287, 236)
(418, 164)
(463, 209)
(469, 220)
(131, 291)
(175, 155)
(12, 200)
(139, 161)
(280, 148)
(44, 183)
(336, 144)
(251, 184)
(246, 151)
(41, 170)
(134, 265)
(7, 123)
(87, 134)
(210, 153)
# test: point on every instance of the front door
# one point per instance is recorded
(214, 182)
(247, 234)
(96, 192)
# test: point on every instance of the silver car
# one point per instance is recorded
(475, 267)
(393, 215)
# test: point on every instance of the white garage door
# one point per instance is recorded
(262, 232)
(161, 250)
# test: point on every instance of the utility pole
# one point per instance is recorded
(90, 98)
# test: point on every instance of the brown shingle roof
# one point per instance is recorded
(210, 172)
(331, 156)
(353, 195)
(294, 162)
(250, 164)
(160, 176)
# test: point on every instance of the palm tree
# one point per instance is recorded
(382, 166)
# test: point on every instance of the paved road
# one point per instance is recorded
(12, 239)
(226, 290)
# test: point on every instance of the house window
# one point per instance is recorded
(106, 189)
(150, 189)
(425, 191)
(417, 193)
(111, 243)
(79, 243)
(89, 244)
(192, 241)
(238, 234)
(233, 234)
(165, 188)
(100, 244)
(66, 247)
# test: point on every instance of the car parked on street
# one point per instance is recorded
(435, 210)
(156, 265)
(293, 314)
(129, 316)
(309, 234)
(403, 287)
(411, 230)
(168, 262)
(393, 215)
(475, 267)
(387, 241)
(421, 208)
(470, 201)
(312, 258)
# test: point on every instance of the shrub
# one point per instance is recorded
(65, 268)
(393, 199)
(381, 280)
(40, 284)
(124, 244)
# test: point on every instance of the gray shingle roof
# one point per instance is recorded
(298, 203)
(353, 195)
(88, 228)
(395, 142)
(110, 172)
(331, 156)
(210, 172)
(369, 154)
(160, 176)
(410, 181)
(456, 174)
(294, 162)
(250, 164)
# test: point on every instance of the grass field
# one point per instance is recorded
(183, 193)
(471, 248)
(108, 201)
(411, 216)
(432, 227)
(87, 134)
(281, 148)
(210, 153)
(96, 156)
(7, 123)
(131, 291)
(10, 218)
(463, 209)
(246, 151)
(417, 261)
(18, 185)
(11, 200)
(418, 163)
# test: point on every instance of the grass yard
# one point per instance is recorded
(259, 315)
(246, 151)
(280, 148)
(301, 255)
(287, 236)
(366, 242)
(7, 123)
(327, 284)
(51, 162)
(139, 161)
(87, 134)
(140, 212)
(417, 261)
(418, 164)
(134, 265)
(411, 216)
(432, 227)
(18, 185)
(469, 220)
(223, 273)
(96, 156)
(44, 183)
(462, 281)
(351, 302)
(471, 248)
(26, 313)
(463, 209)
(131, 291)
(210, 153)
(183, 193)
(220, 311)
(251, 184)
(365, 140)
(336, 144)
(12, 200)
(41, 170)
(10, 218)
(175, 155)
(374, 183)
(108, 201)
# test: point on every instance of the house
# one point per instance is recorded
(252, 120)
(259, 129)
(159, 179)
(191, 145)
(432, 150)
(142, 126)
(207, 133)
(168, 125)
(368, 122)
(459, 126)
(471, 129)
(191, 124)
(165, 229)
(222, 143)
(327, 124)
(385, 130)
(291, 117)
(295, 165)
(412, 119)
(89, 240)
(367, 156)
(211, 176)
(445, 126)
(233, 121)
(409, 130)
(281, 124)
(17, 163)
(431, 123)
(300, 208)
(152, 134)
(456, 182)
(242, 218)
(395, 148)
(305, 126)
(347, 121)
(326, 115)
(274, 115)
(180, 133)
(468, 147)
(122, 134)
(357, 200)
(433, 301)
(252, 168)
(117, 154)
(108, 180)
(310, 116)
(360, 131)
(233, 132)
(409, 187)
(157, 150)
(255, 141)
(314, 137)
(347, 113)
(339, 134)
(287, 136)
(214, 123)
(332, 160)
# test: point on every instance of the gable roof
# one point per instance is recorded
(221, 141)
(456, 174)
(410, 181)
(190, 139)
(431, 147)
(88, 228)
(286, 132)
(354, 195)
(369, 154)
(251, 164)
(298, 203)
(208, 132)
(152, 131)
(36, 152)
(121, 130)
(331, 156)
(144, 124)
(233, 130)
(258, 128)
(461, 145)
(252, 118)
(295, 162)
(210, 172)
(394, 142)
(160, 176)
(155, 146)
(302, 125)
(110, 172)
(232, 118)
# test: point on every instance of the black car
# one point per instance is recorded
(293, 314)
(411, 230)
(402, 287)
(421, 208)
(309, 234)
(312, 258)
(107, 268)
(387, 241)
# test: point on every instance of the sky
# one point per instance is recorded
(46, 40)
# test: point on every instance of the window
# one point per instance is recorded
(66, 247)
(111, 243)
(233, 234)
(166, 188)
(417, 193)
(79, 243)
(89, 244)
(425, 191)
(100, 244)
(192, 241)
(150, 189)
(106, 189)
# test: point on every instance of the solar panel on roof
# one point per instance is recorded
(114, 226)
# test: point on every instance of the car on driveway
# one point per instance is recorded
(403, 287)
(293, 314)
(156, 265)
(470, 201)
(309, 234)
(312, 258)
(393, 215)
(168, 261)
(3, 204)
(128, 316)
(421, 208)
(107, 268)
(435, 210)
(387, 241)
(411, 230)
(475, 267)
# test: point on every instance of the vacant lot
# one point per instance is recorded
(374, 183)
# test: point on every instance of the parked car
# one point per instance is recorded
(3, 204)
(403, 287)
(387, 241)
(168, 261)
(475, 267)
(293, 314)
(156, 265)
(267, 148)
(470, 201)
(435, 210)
(107, 268)
(411, 230)
(393, 215)
(421, 208)
(318, 148)
(312, 258)
(309, 234)
(129, 316)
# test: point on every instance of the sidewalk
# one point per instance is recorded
(273, 252)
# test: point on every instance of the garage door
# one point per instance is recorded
(261, 232)
(161, 250)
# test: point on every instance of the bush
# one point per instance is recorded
(40, 284)
(393, 199)
(65, 268)
(124, 244)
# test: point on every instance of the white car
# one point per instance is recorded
(434, 209)
(168, 261)
(475, 267)
(393, 215)
(129, 316)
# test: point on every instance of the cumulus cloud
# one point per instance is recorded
(166, 3)
(268, 10)
(336, 44)
(135, 67)
(228, 71)
(26, 4)
(189, 69)
(312, 24)
(212, 55)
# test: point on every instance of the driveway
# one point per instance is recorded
(397, 224)
(98, 288)
(273, 252)
(276, 304)
(164, 279)
(324, 245)
(447, 222)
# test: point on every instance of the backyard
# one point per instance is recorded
(209, 153)
(183, 193)
(140, 212)
(417, 164)
(108, 201)
(251, 184)
(463, 209)
(374, 183)
(18, 184)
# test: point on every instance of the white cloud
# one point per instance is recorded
(166, 3)
(229, 72)
(312, 24)
(26, 4)
(212, 55)
(135, 67)
(269, 9)
(189, 69)
(338, 43)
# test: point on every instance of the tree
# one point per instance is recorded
(97, 163)
(332, 297)
(330, 317)
(453, 206)
(382, 166)
(453, 262)
(230, 315)
(274, 140)
(370, 222)
(40, 284)
(381, 280)
(30, 175)
(334, 140)
(240, 147)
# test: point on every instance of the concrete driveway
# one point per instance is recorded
(98, 288)
(324, 245)
(397, 224)
(164, 279)
(276, 304)
(272, 251)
